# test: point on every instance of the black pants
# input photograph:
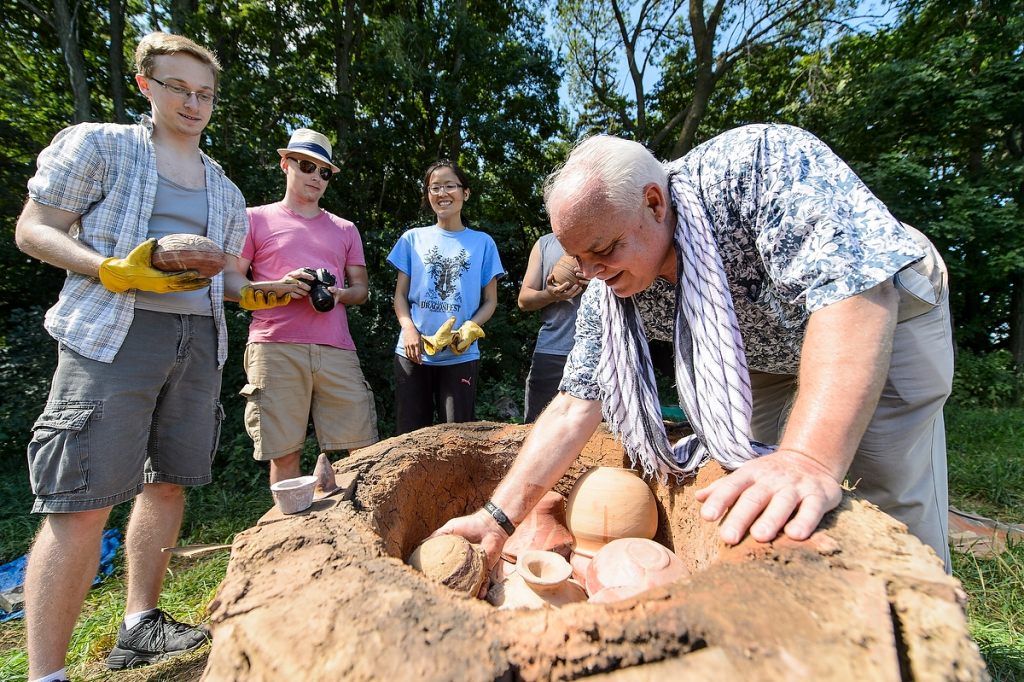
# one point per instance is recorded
(542, 383)
(423, 392)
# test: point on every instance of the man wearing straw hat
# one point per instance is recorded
(300, 359)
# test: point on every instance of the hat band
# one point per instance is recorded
(309, 146)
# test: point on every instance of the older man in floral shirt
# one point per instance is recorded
(826, 320)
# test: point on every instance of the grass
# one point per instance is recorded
(986, 472)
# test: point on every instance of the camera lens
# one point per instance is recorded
(320, 298)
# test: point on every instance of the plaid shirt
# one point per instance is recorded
(107, 174)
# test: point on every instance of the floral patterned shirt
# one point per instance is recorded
(797, 230)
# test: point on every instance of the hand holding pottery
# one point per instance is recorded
(453, 562)
(177, 252)
(565, 273)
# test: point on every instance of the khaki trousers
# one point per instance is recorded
(900, 464)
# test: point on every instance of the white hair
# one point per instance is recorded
(609, 167)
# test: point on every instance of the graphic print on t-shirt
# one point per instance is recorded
(444, 274)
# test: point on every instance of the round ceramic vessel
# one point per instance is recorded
(294, 494)
(564, 271)
(452, 561)
(608, 503)
(632, 565)
(176, 252)
(541, 579)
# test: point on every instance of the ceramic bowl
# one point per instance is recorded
(634, 564)
(294, 494)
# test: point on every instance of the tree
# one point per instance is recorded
(695, 53)
(924, 112)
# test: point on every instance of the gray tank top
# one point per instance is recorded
(177, 210)
(558, 320)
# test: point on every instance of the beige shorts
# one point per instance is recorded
(289, 382)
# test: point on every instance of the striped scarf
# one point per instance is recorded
(710, 364)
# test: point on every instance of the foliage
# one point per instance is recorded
(986, 462)
(986, 380)
(922, 113)
(27, 360)
(695, 45)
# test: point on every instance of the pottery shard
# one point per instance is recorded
(453, 562)
(325, 477)
(177, 252)
(565, 271)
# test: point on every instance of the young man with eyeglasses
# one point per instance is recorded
(134, 410)
(302, 360)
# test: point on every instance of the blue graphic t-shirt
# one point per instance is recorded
(447, 274)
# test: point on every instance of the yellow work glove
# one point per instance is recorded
(251, 298)
(469, 332)
(441, 338)
(136, 271)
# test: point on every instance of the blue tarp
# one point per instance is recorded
(12, 574)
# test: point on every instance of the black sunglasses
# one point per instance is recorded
(307, 167)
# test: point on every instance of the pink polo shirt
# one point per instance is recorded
(280, 241)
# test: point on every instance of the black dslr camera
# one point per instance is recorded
(321, 299)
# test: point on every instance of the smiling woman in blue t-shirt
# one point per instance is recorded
(447, 289)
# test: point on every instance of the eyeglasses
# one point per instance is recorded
(202, 97)
(446, 188)
(307, 167)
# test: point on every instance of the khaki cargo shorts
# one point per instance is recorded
(289, 382)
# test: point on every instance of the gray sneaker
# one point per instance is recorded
(156, 637)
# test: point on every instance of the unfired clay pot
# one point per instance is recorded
(608, 503)
(294, 494)
(631, 566)
(452, 561)
(564, 271)
(543, 528)
(326, 480)
(579, 563)
(541, 579)
(176, 252)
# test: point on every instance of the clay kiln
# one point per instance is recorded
(326, 595)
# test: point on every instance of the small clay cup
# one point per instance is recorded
(294, 494)
(541, 580)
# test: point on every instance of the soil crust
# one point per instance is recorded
(326, 594)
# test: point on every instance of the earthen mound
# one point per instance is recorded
(326, 595)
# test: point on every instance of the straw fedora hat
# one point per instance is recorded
(312, 144)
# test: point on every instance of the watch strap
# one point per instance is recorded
(501, 517)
